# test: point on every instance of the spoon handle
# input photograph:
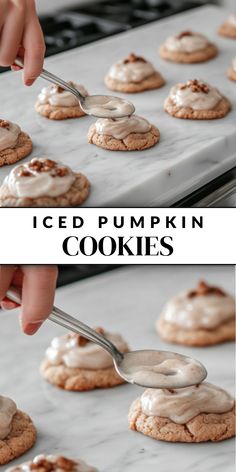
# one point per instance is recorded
(54, 80)
(62, 318)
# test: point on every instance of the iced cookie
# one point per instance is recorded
(73, 363)
(43, 182)
(199, 317)
(52, 463)
(232, 71)
(123, 134)
(188, 47)
(14, 143)
(191, 414)
(132, 75)
(17, 432)
(56, 103)
(228, 29)
(196, 100)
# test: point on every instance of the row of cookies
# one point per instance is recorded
(72, 362)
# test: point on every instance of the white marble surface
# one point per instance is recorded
(190, 152)
(93, 425)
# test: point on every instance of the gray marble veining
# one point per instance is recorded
(93, 425)
(190, 153)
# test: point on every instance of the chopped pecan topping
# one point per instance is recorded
(183, 34)
(48, 166)
(45, 465)
(65, 464)
(4, 124)
(24, 173)
(195, 86)
(58, 89)
(204, 289)
(60, 172)
(80, 340)
(133, 58)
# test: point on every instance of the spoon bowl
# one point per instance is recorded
(160, 369)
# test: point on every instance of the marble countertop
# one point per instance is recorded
(93, 425)
(190, 152)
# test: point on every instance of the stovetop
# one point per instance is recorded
(79, 25)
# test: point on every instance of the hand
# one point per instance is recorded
(38, 284)
(21, 35)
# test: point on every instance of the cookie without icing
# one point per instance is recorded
(132, 142)
(202, 55)
(75, 196)
(203, 427)
(21, 438)
(22, 149)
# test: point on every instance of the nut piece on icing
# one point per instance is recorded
(195, 86)
(4, 124)
(133, 58)
(183, 34)
(81, 340)
(204, 289)
(45, 465)
(39, 166)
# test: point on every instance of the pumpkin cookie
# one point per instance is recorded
(200, 317)
(228, 29)
(17, 432)
(14, 143)
(196, 100)
(133, 75)
(188, 47)
(43, 182)
(191, 414)
(56, 103)
(52, 463)
(73, 363)
(123, 134)
(232, 71)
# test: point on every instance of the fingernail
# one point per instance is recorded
(29, 81)
(7, 305)
(31, 328)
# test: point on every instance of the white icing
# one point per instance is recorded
(154, 369)
(65, 350)
(80, 466)
(114, 107)
(7, 411)
(49, 95)
(201, 311)
(131, 72)
(38, 184)
(188, 44)
(234, 64)
(195, 100)
(232, 20)
(9, 137)
(183, 404)
(120, 128)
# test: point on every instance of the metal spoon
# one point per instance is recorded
(100, 106)
(130, 364)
